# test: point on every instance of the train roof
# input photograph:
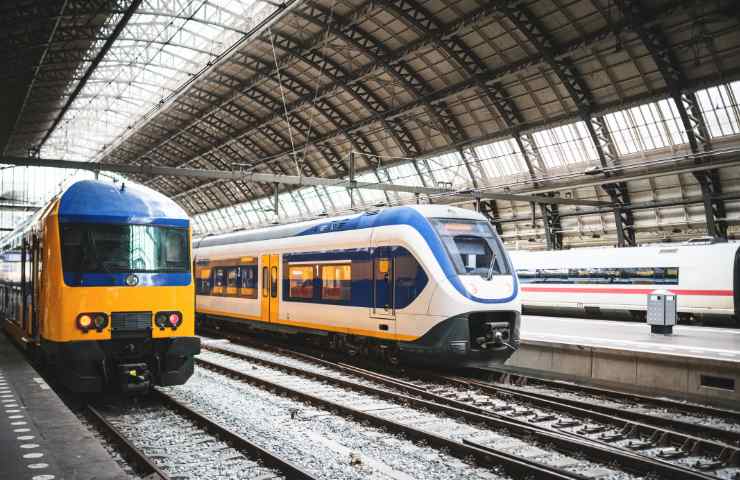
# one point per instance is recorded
(94, 201)
(387, 216)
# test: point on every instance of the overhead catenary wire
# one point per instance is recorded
(318, 82)
(285, 104)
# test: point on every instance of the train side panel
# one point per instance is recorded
(703, 278)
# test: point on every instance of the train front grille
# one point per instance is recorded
(130, 324)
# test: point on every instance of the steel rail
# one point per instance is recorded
(676, 431)
(139, 457)
(517, 467)
(567, 443)
(679, 426)
(239, 442)
(727, 414)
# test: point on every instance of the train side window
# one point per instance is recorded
(203, 283)
(219, 281)
(231, 281)
(336, 282)
(300, 281)
(265, 282)
(274, 283)
(248, 281)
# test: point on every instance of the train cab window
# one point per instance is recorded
(248, 281)
(336, 282)
(265, 282)
(107, 248)
(219, 281)
(300, 281)
(472, 246)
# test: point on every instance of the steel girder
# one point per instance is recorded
(440, 95)
(342, 82)
(688, 109)
(553, 228)
(623, 216)
(596, 126)
(489, 208)
(93, 65)
(324, 106)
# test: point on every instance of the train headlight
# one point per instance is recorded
(89, 321)
(168, 319)
(84, 322)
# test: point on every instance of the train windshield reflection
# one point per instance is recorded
(102, 248)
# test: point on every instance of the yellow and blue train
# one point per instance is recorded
(98, 285)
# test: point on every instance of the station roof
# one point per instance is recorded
(517, 95)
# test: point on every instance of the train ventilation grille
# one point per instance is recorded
(130, 321)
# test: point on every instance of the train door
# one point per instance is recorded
(23, 316)
(35, 286)
(270, 278)
(383, 304)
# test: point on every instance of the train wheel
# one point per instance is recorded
(392, 355)
(354, 346)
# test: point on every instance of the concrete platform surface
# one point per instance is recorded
(40, 438)
(696, 342)
(699, 364)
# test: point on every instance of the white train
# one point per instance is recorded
(430, 283)
(614, 281)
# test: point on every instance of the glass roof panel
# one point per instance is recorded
(501, 159)
(719, 105)
(565, 145)
(164, 43)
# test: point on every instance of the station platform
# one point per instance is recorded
(40, 438)
(695, 363)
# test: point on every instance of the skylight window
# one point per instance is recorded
(164, 43)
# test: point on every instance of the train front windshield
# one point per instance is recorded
(102, 248)
(473, 247)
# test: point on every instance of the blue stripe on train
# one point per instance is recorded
(411, 217)
(78, 279)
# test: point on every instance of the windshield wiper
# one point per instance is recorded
(490, 267)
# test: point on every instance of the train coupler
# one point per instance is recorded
(497, 335)
(134, 377)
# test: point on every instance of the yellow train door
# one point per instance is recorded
(270, 278)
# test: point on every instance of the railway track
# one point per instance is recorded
(677, 416)
(526, 436)
(166, 439)
(325, 441)
(682, 416)
(669, 452)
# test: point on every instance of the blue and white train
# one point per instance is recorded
(426, 283)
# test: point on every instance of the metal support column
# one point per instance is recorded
(623, 217)
(489, 208)
(551, 220)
